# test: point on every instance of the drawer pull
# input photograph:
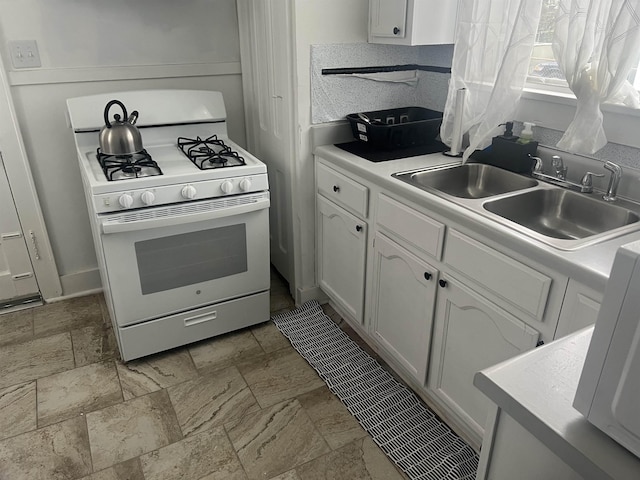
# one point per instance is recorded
(358, 228)
(442, 283)
(427, 276)
(336, 188)
(207, 317)
(396, 30)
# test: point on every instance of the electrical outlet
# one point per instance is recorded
(24, 54)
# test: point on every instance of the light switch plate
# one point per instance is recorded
(24, 54)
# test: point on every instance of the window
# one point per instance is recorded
(543, 68)
(544, 71)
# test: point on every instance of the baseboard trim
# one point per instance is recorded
(310, 293)
(79, 284)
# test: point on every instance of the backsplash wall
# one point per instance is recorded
(621, 154)
(335, 96)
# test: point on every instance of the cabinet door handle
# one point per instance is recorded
(396, 30)
(358, 228)
(442, 283)
(336, 188)
(427, 276)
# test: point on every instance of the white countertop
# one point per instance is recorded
(537, 389)
(589, 265)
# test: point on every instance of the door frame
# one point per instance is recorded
(24, 193)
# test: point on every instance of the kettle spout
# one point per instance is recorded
(133, 117)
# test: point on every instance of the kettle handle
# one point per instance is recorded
(108, 107)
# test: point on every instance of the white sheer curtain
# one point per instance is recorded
(596, 44)
(491, 60)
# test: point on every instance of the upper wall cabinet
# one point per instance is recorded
(412, 22)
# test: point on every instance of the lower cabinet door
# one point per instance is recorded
(403, 298)
(341, 250)
(470, 334)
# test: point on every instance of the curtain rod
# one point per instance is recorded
(388, 68)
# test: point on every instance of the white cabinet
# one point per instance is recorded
(580, 309)
(412, 22)
(403, 296)
(470, 333)
(341, 254)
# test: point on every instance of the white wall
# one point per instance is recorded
(95, 46)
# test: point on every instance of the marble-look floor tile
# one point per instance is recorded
(280, 301)
(80, 390)
(23, 362)
(129, 470)
(16, 326)
(269, 337)
(225, 350)
(215, 398)
(156, 372)
(290, 475)
(129, 429)
(17, 409)
(59, 451)
(279, 376)
(207, 455)
(361, 459)
(275, 440)
(66, 315)
(331, 417)
(95, 343)
(104, 310)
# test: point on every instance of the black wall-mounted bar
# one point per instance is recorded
(388, 68)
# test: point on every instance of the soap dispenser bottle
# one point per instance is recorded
(526, 136)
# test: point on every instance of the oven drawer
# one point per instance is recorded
(180, 329)
(342, 190)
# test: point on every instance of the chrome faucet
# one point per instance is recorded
(558, 165)
(614, 180)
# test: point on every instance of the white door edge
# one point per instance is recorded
(25, 196)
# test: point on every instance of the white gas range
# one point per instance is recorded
(181, 228)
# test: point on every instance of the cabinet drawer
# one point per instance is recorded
(405, 223)
(521, 286)
(342, 190)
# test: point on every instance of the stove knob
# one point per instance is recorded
(125, 200)
(227, 186)
(188, 192)
(148, 198)
(245, 184)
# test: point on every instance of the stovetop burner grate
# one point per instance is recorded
(209, 153)
(124, 167)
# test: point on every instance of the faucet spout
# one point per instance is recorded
(560, 169)
(614, 181)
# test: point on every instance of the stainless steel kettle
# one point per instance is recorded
(120, 137)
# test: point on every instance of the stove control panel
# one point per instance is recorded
(180, 193)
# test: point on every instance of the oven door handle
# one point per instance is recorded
(169, 221)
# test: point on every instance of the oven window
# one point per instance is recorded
(179, 260)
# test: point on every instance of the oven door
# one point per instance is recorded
(169, 259)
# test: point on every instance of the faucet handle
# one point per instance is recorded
(537, 168)
(586, 180)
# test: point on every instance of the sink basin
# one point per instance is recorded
(471, 180)
(561, 214)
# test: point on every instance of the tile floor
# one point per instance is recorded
(240, 406)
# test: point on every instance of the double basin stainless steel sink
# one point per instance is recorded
(558, 217)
